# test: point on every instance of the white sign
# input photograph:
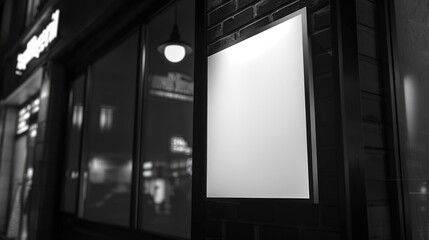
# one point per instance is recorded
(38, 44)
(257, 124)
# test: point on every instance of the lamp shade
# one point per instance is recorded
(174, 50)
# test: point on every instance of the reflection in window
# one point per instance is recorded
(23, 117)
(106, 117)
(179, 145)
(167, 130)
(35, 105)
(74, 128)
(22, 169)
(27, 113)
(77, 117)
(107, 156)
(33, 130)
(411, 18)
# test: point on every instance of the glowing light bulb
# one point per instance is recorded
(30, 173)
(174, 53)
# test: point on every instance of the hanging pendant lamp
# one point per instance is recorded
(174, 50)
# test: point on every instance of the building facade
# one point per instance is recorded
(104, 135)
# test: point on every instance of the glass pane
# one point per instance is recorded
(167, 129)
(17, 184)
(28, 180)
(109, 137)
(411, 19)
(74, 128)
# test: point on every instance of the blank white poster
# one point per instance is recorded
(256, 123)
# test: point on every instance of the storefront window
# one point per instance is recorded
(166, 170)
(74, 128)
(109, 133)
(412, 84)
(23, 167)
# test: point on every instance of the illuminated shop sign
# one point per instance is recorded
(175, 85)
(38, 44)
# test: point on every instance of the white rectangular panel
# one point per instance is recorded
(257, 125)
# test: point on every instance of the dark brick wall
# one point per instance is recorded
(377, 154)
(227, 22)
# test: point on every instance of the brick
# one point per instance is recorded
(369, 76)
(373, 136)
(366, 13)
(214, 33)
(316, 4)
(244, 3)
(220, 44)
(213, 4)
(278, 233)
(321, 19)
(238, 20)
(321, 41)
(286, 10)
(319, 235)
(264, 7)
(221, 13)
(251, 29)
(372, 108)
(367, 42)
(240, 231)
